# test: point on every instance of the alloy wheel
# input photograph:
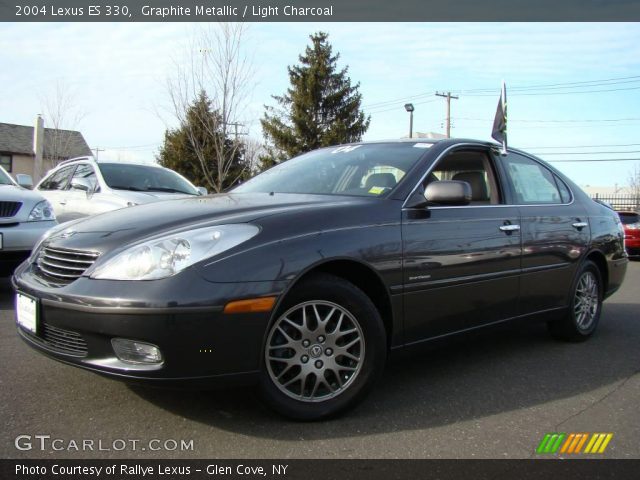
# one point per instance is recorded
(314, 351)
(586, 300)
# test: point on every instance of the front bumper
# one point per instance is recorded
(17, 241)
(182, 315)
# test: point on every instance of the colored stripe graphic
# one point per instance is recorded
(551, 442)
(572, 443)
(598, 443)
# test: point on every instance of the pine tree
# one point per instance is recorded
(191, 149)
(320, 108)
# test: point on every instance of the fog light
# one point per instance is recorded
(136, 352)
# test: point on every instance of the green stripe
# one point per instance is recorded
(558, 442)
(543, 443)
(550, 443)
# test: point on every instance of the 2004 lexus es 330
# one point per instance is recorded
(304, 278)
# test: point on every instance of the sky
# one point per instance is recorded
(573, 88)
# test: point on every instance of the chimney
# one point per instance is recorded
(38, 148)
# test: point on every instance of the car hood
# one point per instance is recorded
(111, 230)
(13, 193)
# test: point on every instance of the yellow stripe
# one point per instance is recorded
(598, 442)
(605, 443)
(574, 443)
(567, 442)
(584, 439)
(591, 442)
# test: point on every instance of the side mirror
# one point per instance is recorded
(203, 191)
(24, 180)
(80, 184)
(448, 192)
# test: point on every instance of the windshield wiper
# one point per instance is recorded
(122, 187)
(166, 189)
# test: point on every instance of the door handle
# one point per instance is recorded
(509, 228)
(62, 202)
(580, 225)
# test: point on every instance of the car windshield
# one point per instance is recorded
(628, 218)
(142, 178)
(4, 178)
(364, 170)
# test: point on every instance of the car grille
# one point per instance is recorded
(63, 341)
(9, 209)
(63, 266)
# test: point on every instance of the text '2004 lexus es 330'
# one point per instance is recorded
(303, 279)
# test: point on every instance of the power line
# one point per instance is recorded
(589, 153)
(597, 160)
(587, 146)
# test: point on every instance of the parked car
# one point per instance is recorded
(24, 217)
(81, 186)
(631, 224)
(305, 277)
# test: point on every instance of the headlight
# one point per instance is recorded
(165, 256)
(42, 211)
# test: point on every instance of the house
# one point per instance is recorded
(35, 150)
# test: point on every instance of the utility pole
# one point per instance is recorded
(98, 150)
(236, 125)
(448, 96)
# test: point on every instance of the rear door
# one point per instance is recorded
(461, 264)
(554, 229)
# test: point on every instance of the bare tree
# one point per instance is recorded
(62, 115)
(217, 66)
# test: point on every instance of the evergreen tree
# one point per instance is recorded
(193, 149)
(320, 108)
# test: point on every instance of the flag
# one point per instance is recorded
(499, 133)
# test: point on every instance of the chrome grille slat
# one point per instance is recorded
(9, 209)
(63, 266)
(47, 261)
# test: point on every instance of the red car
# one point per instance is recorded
(631, 224)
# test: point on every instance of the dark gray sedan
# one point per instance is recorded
(303, 279)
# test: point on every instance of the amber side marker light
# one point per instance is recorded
(250, 305)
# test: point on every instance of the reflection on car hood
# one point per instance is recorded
(110, 230)
(13, 193)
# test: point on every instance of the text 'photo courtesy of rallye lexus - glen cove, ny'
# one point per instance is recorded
(303, 279)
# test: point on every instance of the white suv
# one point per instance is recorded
(81, 186)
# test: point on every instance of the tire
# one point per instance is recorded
(324, 349)
(585, 306)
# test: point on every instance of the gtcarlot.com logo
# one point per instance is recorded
(574, 443)
(49, 443)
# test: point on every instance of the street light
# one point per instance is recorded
(409, 108)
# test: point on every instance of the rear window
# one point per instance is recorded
(629, 217)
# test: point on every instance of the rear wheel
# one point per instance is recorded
(324, 350)
(583, 315)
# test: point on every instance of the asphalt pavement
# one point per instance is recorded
(491, 394)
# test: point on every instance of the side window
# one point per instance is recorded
(531, 182)
(565, 193)
(58, 180)
(474, 168)
(87, 173)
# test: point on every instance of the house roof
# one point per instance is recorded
(19, 139)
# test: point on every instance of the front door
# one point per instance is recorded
(461, 264)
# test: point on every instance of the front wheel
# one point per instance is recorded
(324, 350)
(583, 315)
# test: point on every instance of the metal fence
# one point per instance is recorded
(620, 201)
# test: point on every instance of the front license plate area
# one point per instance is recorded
(27, 312)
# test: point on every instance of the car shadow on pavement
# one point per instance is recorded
(496, 370)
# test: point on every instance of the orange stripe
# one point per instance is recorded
(574, 443)
(567, 442)
(584, 439)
